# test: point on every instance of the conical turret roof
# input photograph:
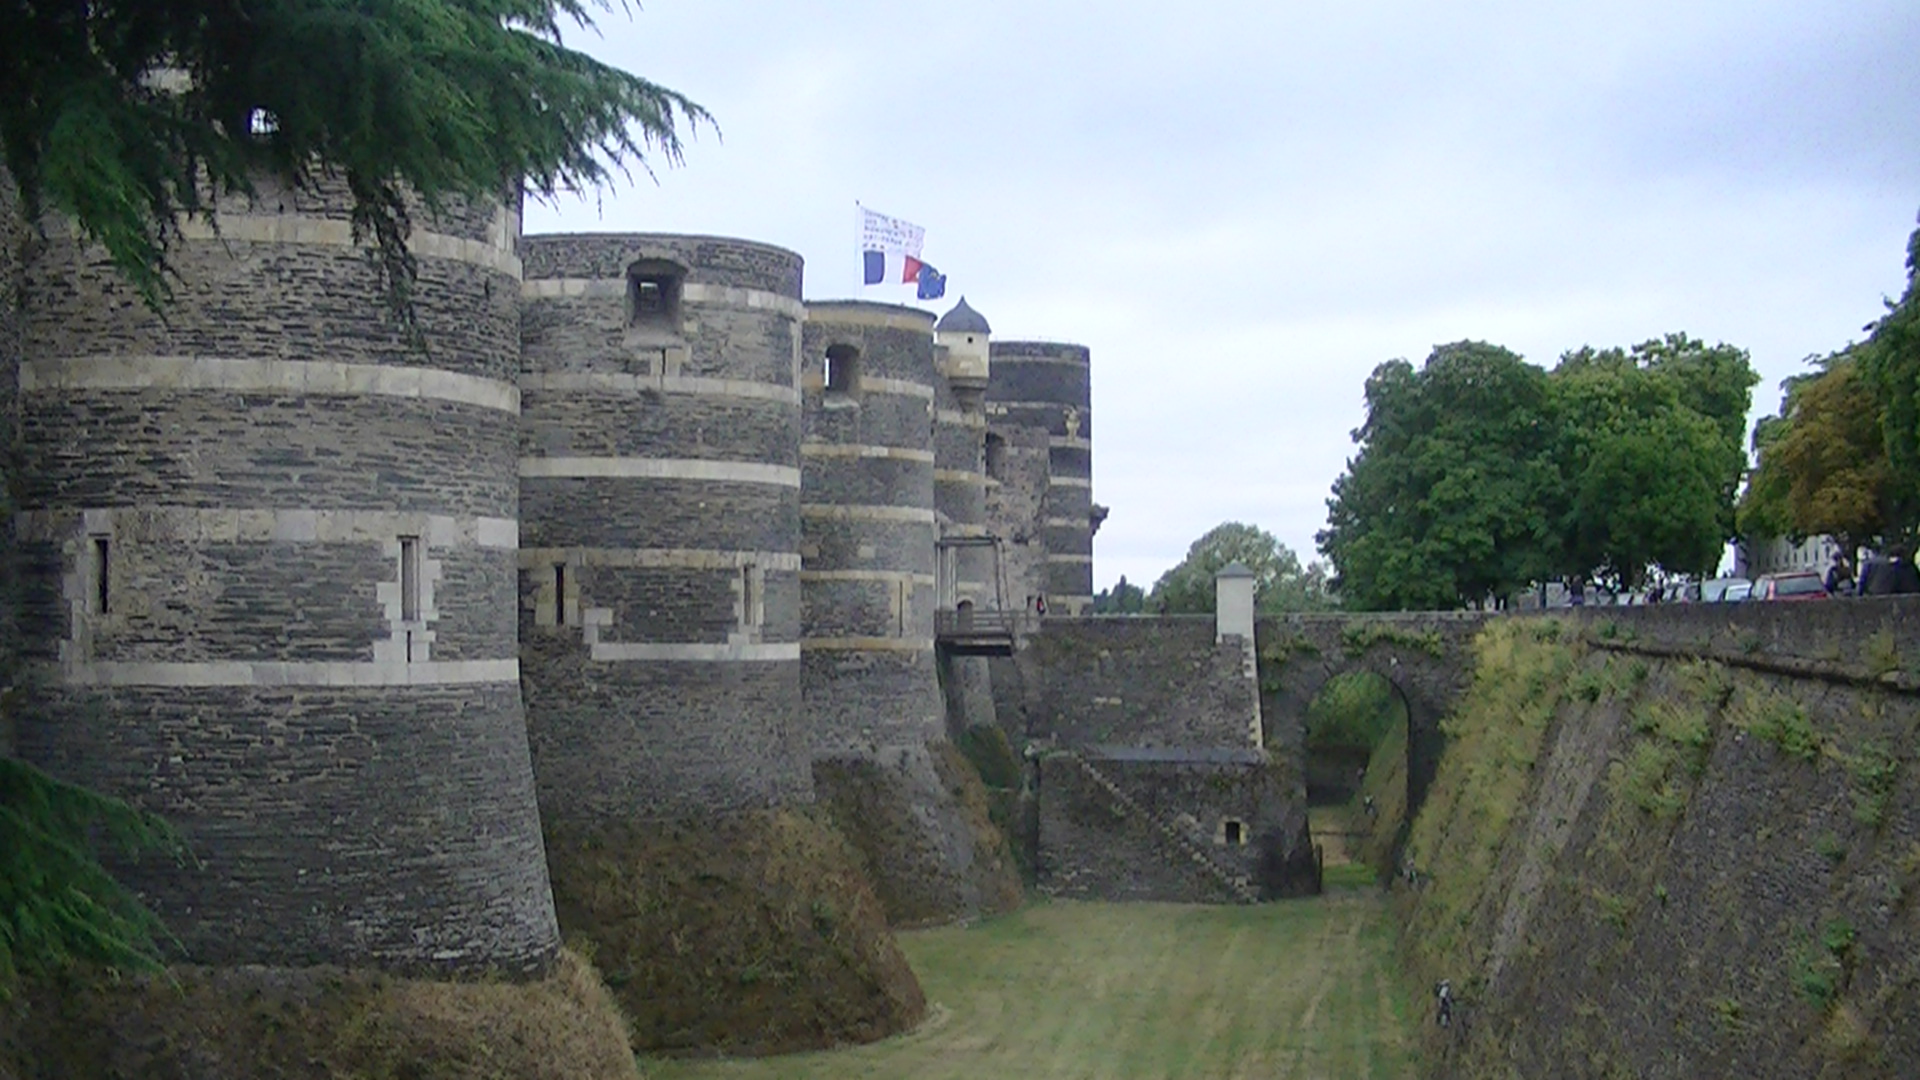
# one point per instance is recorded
(964, 320)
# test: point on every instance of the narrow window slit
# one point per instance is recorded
(409, 579)
(559, 594)
(102, 582)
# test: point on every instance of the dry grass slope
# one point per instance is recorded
(748, 933)
(314, 1024)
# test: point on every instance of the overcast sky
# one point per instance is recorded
(1243, 207)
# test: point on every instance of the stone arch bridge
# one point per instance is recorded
(1426, 656)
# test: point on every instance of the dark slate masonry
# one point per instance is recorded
(868, 528)
(660, 527)
(269, 572)
(1039, 405)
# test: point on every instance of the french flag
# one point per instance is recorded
(890, 249)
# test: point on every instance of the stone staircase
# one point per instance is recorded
(1179, 839)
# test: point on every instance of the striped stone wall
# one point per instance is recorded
(660, 477)
(270, 583)
(1046, 387)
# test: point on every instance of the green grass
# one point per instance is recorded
(1076, 991)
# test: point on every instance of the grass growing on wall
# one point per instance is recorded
(1523, 670)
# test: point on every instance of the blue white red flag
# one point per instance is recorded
(889, 249)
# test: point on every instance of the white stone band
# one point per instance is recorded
(613, 382)
(1070, 481)
(330, 232)
(830, 512)
(1087, 559)
(289, 673)
(191, 524)
(236, 375)
(671, 558)
(692, 292)
(634, 468)
(888, 576)
(689, 652)
(866, 644)
(864, 450)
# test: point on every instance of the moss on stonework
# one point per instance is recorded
(744, 933)
(313, 1024)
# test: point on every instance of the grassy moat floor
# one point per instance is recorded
(1084, 991)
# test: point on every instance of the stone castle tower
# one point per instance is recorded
(1039, 459)
(660, 532)
(638, 536)
(268, 550)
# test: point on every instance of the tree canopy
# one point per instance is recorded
(1822, 466)
(127, 114)
(1125, 598)
(1280, 582)
(1890, 368)
(1479, 473)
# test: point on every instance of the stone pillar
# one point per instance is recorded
(1039, 411)
(271, 548)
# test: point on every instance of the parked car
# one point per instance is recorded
(1802, 585)
(1716, 590)
(1738, 591)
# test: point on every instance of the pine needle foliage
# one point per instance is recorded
(57, 903)
(128, 114)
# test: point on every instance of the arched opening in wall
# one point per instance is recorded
(1356, 770)
(654, 287)
(996, 455)
(843, 369)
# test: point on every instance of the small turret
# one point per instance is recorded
(963, 336)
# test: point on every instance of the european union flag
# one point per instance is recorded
(932, 283)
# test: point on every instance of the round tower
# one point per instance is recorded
(270, 583)
(660, 530)
(867, 464)
(882, 763)
(1040, 421)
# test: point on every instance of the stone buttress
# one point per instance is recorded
(875, 716)
(269, 551)
(1040, 461)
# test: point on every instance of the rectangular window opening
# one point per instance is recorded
(102, 582)
(559, 594)
(409, 579)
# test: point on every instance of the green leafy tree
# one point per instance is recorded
(1449, 497)
(56, 902)
(1479, 473)
(1890, 366)
(1280, 582)
(127, 114)
(1125, 598)
(1650, 456)
(1822, 465)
